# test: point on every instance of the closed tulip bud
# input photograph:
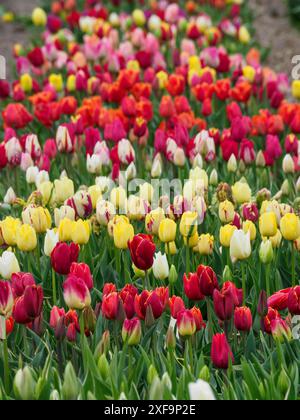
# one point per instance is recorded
(188, 224)
(208, 280)
(288, 165)
(226, 211)
(186, 323)
(132, 331)
(156, 169)
(221, 352)
(298, 185)
(152, 374)
(51, 240)
(173, 276)
(243, 319)
(76, 293)
(10, 196)
(167, 230)
(198, 162)
(8, 265)
(224, 303)
(26, 82)
(232, 164)
(33, 301)
(146, 192)
(226, 233)
(63, 256)
(39, 17)
(70, 388)
(63, 189)
(241, 192)
(205, 244)
(123, 233)
(118, 197)
(290, 227)
(250, 227)
(284, 382)
(81, 231)
(205, 374)
(103, 366)
(280, 330)
(56, 81)
(24, 384)
(170, 339)
(89, 319)
(266, 253)
(26, 239)
(6, 299)
(160, 267)
(9, 228)
(31, 174)
(227, 274)
(240, 245)
(262, 308)
(38, 217)
(268, 224)
(65, 230)
(294, 301)
(138, 17)
(191, 286)
(213, 179)
(104, 344)
(285, 188)
(201, 391)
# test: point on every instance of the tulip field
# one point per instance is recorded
(149, 207)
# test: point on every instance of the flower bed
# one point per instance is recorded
(150, 229)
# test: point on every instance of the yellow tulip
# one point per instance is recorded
(118, 197)
(241, 192)
(46, 188)
(65, 230)
(205, 244)
(153, 219)
(96, 194)
(226, 211)
(275, 240)
(39, 17)
(26, 82)
(268, 224)
(123, 232)
(9, 227)
(191, 241)
(296, 89)
(63, 189)
(188, 224)
(226, 233)
(249, 226)
(290, 227)
(249, 73)
(138, 17)
(56, 81)
(81, 232)
(71, 83)
(167, 230)
(26, 238)
(170, 248)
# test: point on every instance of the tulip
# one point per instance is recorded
(76, 293)
(268, 224)
(24, 384)
(19, 282)
(290, 227)
(201, 391)
(26, 239)
(167, 231)
(153, 220)
(186, 323)
(8, 265)
(266, 253)
(250, 212)
(280, 330)
(160, 267)
(81, 202)
(132, 331)
(123, 234)
(83, 272)
(64, 212)
(38, 217)
(191, 285)
(80, 233)
(65, 230)
(288, 165)
(226, 211)
(249, 226)
(176, 306)
(224, 304)
(39, 17)
(51, 240)
(279, 300)
(56, 315)
(293, 300)
(110, 305)
(63, 256)
(127, 296)
(198, 318)
(207, 280)
(226, 233)
(63, 189)
(156, 301)
(243, 319)
(6, 299)
(9, 229)
(33, 301)
(221, 352)
(142, 250)
(10, 196)
(205, 244)
(272, 314)
(240, 245)
(241, 192)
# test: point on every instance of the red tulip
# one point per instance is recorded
(76, 293)
(10, 323)
(55, 315)
(72, 324)
(221, 352)
(243, 319)
(62, 257)
(50, 148)
(111, 305)
(142, 250)
(191, 284)
(19, 282)
(127, 296)
(156, 300)
(236, 293)
(19, 312)
(272, 314)
(250, 212)
(280, 330)
(16, 116)
(198, 318)
(186, 323)
(6, 298)
(294, 301)
(224, 304)
(132, 331)
(109, 288)
(279, 300)
(3, 156)
(83, 272)
(207, 279)
(176, 305)
(36, 57)
(33, 301)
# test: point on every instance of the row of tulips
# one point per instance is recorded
(149, 215)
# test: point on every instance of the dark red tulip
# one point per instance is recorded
(250, 212)
(36, 57)
(221, 352)
(127, 296)
(224, 304)
(19, 312)
(83, 272)
(142, 250)
(110, 306)
(33, 301)
(243, 319)
(19, 282)
(62, 257)
(294, 301)
(208, 280)
(191, 284)
(156, 300)
(176, 305)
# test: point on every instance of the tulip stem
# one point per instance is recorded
(244, 284)
(38, 255)
(118, 261)
(187, 254)
(54, 287)
(268, 270)
(190, 346)
(293, 265)
(209, 318)
(6, 365)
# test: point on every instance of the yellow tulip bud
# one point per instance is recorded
(123, 232)
(226, 233)
(96, 194)
(56, 81)
(167, 230)
(290, 227)
(71, 83)
(38, 217)
(39, 17)
(118, 197)
(170, 248)
(192, 241)
(249, 226)
(138, 17)
(26, 82)
(244, 35)
(268, 224)
(81, 232)
(205, 244)
(63, 189)
(226, 211)
(46, 188)
(249, 73)
(26, 238)
(188, 224)
(65, 230)
(296, 89)
(241, 192)
(9, 227)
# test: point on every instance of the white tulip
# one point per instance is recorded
(160, 266)
(232, 164)
(201, 391)
(64, 212)
(51, 239)
(130, 172)
(288, 165)
(42, 176)
(93, 164)
(10, 196)
(8, 265)
(240, 245)
(31, 174)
